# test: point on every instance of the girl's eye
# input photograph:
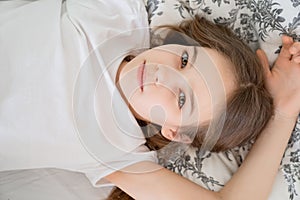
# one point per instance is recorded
(181, 99)
(184, 59)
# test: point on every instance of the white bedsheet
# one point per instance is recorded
(48, 184)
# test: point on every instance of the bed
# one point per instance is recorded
(260, 24)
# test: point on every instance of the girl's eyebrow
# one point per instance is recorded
(195, 53)
(192, 101)
(190, 91)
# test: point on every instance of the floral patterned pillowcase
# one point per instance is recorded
(260, 23)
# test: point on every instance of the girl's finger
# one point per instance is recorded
(296, 59)
(295, 48)
(286, 44)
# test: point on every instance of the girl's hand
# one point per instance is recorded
(283, 79)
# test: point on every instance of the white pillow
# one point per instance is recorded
(258, 23)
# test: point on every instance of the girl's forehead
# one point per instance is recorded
(172, 48)
(178, 50)
(203, 59)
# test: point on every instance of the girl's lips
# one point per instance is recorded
(140, 75)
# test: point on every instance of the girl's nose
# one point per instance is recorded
(151, 74)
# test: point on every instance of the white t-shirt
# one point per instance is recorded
(58, 104)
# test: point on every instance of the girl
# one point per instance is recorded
(242, 123)
(242, 76)
(41, 65)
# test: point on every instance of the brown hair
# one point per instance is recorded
(249, 107)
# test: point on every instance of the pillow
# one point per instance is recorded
(260, 24)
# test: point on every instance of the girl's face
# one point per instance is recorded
(174, 85)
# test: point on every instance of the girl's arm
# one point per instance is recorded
(253, 180)
(264, 158)
(255, 177)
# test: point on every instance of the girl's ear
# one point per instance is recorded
(173, 135)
